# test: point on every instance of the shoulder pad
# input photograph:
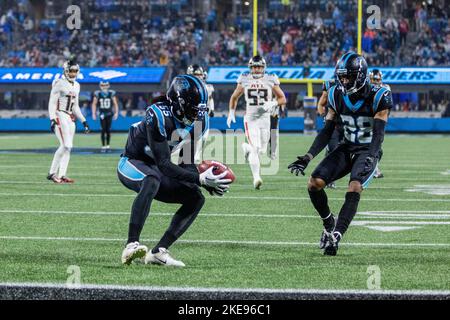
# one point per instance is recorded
(379, 93)
(331, 97)
(155, 118)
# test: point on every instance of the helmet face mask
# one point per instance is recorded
(188, 98)
(376, 77)
(257, 66)
(71, 70)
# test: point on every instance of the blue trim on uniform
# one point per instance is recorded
(353, 107)
(366, 183)
(129, 171)
(160, 118)
(206, 125)
(377, 98)
(201, 88)
(331, 97)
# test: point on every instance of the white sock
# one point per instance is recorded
(56, 160)
(253, 159)
(64, 162)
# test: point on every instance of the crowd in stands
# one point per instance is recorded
(120, 36)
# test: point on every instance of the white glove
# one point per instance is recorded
(209, 179)
(271, 107)
(231, 118)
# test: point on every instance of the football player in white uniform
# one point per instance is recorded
(259, 88)
(198, 72)
(63, 107)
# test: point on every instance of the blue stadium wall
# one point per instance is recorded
(294, 124)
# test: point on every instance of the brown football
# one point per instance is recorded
(219, 167)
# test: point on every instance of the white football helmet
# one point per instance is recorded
(257, 61)
(71, 66)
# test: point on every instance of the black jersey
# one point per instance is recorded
(104, 101)
(356, 117)
(161, 125)
(328, 84)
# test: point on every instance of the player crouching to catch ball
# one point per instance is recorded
(146, 168)
(363, 111)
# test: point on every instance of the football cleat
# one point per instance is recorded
(326, 233)
(133, 251)
(162, 257)
(331, 247)
(65, 179)
(257, 183)
(54, 178)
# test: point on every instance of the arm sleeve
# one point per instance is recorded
(377, 137)
(322, 139)
(161, 151)
(76, 109)
(53, 101)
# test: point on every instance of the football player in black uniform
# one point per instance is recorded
(376, 78)
(145, 167)
(338, 133)
(105, 98)
(363, 111)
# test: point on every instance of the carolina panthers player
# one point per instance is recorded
(200, 73)
(376, 78)
(63, 107)
(322, 109)
(259, 88)
(363, 111)
(105, 98)
(145, 167)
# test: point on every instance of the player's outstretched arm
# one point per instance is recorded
(318, 145)
(233, 103)
(322, 103)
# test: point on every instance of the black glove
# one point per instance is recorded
(369, 165)
(86, 127)
(52, 125)
(216, 191)
(300, 164)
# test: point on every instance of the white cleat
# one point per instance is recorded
(257, 183)
(163, 258)
(133, 251)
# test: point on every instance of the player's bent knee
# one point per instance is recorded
(316, 184)
(355, 186)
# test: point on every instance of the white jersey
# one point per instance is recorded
(210, 89)
(258, 92)
(64, 97)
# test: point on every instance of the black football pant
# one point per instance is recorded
(106, 122)
(150, 183)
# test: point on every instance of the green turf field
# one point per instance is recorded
(247, 239)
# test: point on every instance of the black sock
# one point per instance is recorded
(103, 139)
(347, 212)
(108, 138)
(134, 230)
(165, 242)
(319, 200)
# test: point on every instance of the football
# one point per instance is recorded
(219, 167)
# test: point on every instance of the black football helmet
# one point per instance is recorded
(257, 61)
(351, 72)
(196, 70)
(188, 98)
(376, 76)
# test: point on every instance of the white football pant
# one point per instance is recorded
(257, 132)
(64, 130)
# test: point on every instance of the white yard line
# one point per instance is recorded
(236, 242)
(226, 197)
(223, 289)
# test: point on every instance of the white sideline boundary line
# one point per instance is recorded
(224, 290)
(226, 197)
(426, 215)
(235, 242)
